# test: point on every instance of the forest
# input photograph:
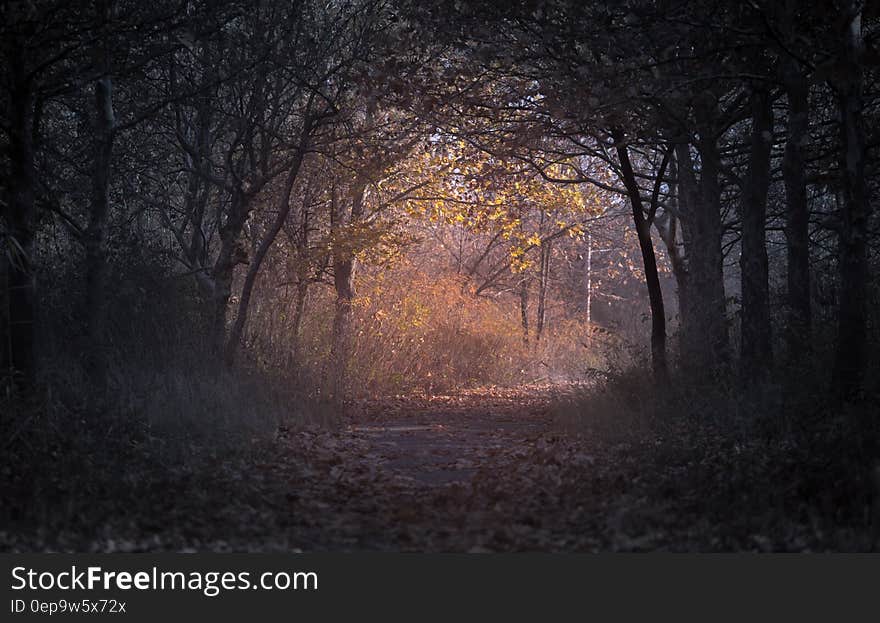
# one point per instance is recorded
(439, 275)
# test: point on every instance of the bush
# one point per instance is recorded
(779, 466)
(414, 331)
(170, 411)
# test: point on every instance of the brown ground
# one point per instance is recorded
(477, 471)
(483, 470)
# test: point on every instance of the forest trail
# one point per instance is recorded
(434, 441)
(476, 471)
(481, 470)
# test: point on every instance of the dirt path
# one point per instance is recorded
(447, 439)
(479, 471)
(488, 470)
(476, 471)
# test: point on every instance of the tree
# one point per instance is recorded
(756, 352)
(646, 245)
(849, 364)
(33, 49)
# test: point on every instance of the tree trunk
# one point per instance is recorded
(667, 225)
(756, 350)
(542, 290)
(649, 260)
(222, 272)
(797, 216)
(264, 246)
(19, 334)
(344, 268)
(198, 191)
(524, 307)
(691, 342)
(299, 312)
(850, 359)
(96, 234)
(302, 286)
(705, 266)
(343, 281)
(589, 280)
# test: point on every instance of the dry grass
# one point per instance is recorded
(414, 331)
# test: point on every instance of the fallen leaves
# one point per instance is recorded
(474, 472)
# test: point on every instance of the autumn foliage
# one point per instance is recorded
(430, 332)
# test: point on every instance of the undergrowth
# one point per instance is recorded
(778, 466)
